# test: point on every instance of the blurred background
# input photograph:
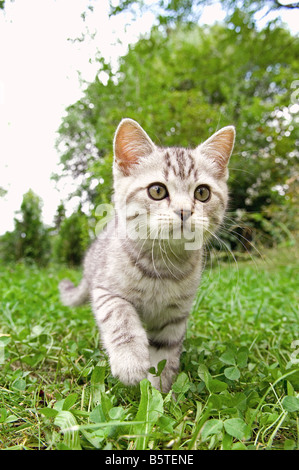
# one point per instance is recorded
(69, 71)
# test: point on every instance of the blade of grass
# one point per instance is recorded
(254, 415)
(204, 418)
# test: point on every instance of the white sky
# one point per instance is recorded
(39, 79)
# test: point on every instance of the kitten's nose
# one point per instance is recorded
(183, 214)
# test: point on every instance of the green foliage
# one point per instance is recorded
(33, 241)
(30, 239)
(8, 243)
(168, 11)
(149, 410)
(72, 240)
(59, 216)
(2, 192)
(57, 391)
(182, 84)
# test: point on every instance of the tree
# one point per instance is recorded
(73, 239)
(30, 238)
(59, 216)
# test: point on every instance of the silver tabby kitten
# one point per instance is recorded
(142, 272)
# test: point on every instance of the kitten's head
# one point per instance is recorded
(177, 194)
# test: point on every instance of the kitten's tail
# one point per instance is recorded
(71, 295)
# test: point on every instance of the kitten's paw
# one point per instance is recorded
(132, 368)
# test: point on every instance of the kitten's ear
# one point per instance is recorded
(131, 143)
(219, 148)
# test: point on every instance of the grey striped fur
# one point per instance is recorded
(142, 290)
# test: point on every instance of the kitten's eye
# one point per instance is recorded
(202, 193)
(157, 191)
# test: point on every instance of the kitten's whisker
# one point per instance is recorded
(237, 235)
(141, 249)
(169, 246)
(212, 248)
(153, 258)
(165, 263)
(173, 253)
(222, 243)
(145, 225)
(241, 169)
(234, 222)
(243, 244)
(167, 258)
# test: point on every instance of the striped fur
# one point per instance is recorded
(142, 288)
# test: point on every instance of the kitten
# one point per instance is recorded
(142, 272)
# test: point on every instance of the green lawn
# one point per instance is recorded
(237, 388)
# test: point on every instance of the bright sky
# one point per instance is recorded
(39, 79)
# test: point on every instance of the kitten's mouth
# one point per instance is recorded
(185, 230)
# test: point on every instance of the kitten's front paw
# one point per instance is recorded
(131, 368)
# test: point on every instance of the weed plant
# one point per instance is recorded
(237, 387)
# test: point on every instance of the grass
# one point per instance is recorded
(237, 387)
